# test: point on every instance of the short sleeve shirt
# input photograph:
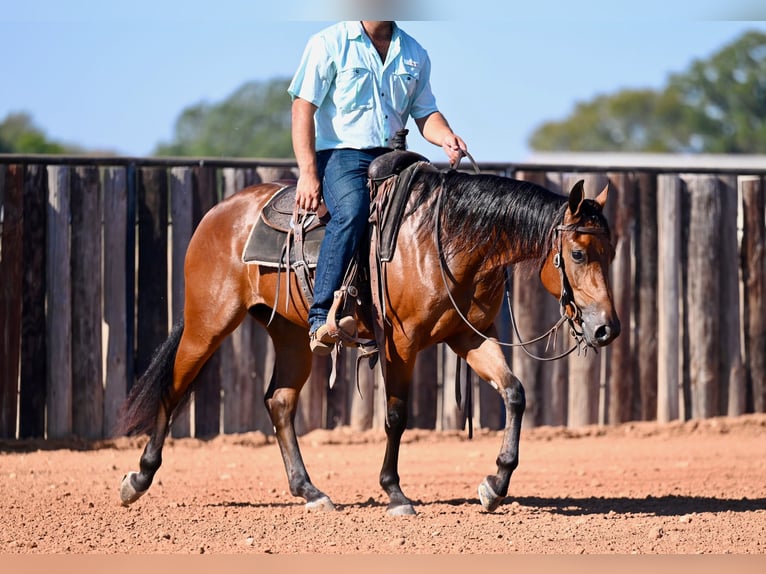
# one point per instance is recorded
(362, 101)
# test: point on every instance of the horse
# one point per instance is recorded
(444, 283)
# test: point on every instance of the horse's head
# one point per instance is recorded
(576, 270)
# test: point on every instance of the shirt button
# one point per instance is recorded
(382, 95)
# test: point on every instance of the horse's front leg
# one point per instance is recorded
(486, 358)
(397, 393)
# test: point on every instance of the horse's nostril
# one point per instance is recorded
(603, 333)
(607, 332)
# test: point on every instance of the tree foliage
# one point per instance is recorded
(717, 106)
(253, 122)
(18, 134)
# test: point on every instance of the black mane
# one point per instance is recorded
(491, 212)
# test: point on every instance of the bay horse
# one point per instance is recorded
(439, 287)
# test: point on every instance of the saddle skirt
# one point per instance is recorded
(268, 238)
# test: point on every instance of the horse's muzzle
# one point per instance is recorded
(599, 329)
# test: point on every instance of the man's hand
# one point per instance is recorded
(453, 146)
(308, 192)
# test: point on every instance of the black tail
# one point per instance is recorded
(139, 412)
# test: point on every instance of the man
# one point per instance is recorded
(355, 87)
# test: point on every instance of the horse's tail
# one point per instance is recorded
(139, 413)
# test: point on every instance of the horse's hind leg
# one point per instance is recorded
(486, 358)
(160, 391)
(292, 366)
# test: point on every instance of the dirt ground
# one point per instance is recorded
(640, 488)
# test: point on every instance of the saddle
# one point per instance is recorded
(289, 240)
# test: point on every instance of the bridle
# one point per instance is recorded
(569, 311)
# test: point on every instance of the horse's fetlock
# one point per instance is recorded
(507, 462)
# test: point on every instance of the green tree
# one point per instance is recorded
(253, 122)
(18, 134)
(717, 106)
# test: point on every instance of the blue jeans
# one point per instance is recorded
(343, 173)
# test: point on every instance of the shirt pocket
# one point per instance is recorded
(354, 89)
(404, 81)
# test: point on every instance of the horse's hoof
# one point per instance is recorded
(401, 510)
(490, 500)
(128, 494)
(322, 504)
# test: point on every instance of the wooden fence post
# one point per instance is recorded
(116, 248)
(622, 365)
(731, 378)
(363, 402)
(10, 297)
(422, 403)
(33, 343)
(668, 297)
(647, 261)
(152, 327)
(704, 246)
(754, 279)
(451, 415)
(87, 357)
(182, 223)
(59, 313)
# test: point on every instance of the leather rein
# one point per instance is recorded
(566, 301)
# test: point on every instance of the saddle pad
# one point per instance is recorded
(265, 244)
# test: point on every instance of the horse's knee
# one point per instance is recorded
(515, 396)
(396, 420)
(281, 406)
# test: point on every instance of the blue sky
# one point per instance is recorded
(116, 75)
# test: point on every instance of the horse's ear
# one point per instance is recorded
(576, 197)
(601, 198)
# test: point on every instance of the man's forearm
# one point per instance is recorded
(304, 134)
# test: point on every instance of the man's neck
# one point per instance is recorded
(379, 31)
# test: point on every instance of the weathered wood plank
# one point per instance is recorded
(11, 282)
(621, 358)
(754, 278)
(731, 377)
(704, 292)
(152, 326)
(33, 345)
(116, 290)
(422, 403)
(59, 306)
(87, 378)
(363, 402)
(668, 297)
(182, 223)
(647, 260)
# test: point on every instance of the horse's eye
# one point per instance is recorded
(578, 256)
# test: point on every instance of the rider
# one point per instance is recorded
(355, 87)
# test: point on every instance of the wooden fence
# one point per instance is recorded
(91, 281)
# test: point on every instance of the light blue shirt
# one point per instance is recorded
(361, 101)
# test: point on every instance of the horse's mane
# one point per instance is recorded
(489, 213)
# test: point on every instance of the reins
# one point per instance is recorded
(565, 301)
